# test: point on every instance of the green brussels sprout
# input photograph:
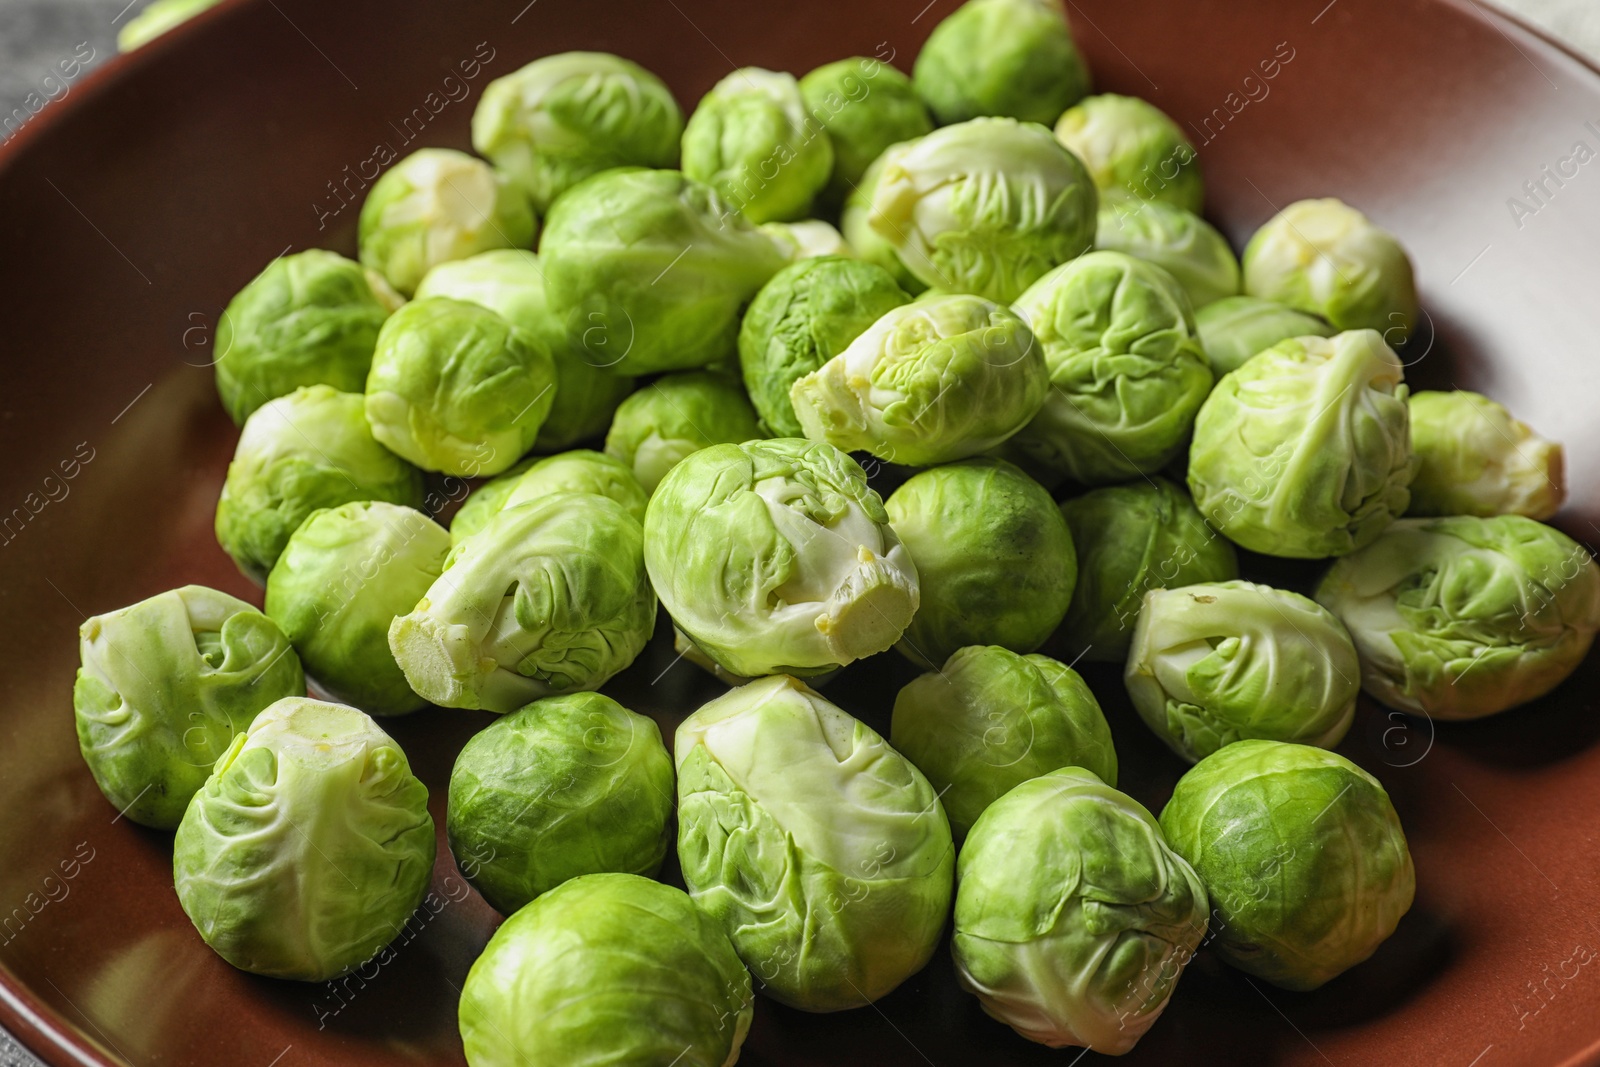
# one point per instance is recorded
(1239, 327)
(1129, 540)
(656, 427)
(549, 597)
(1302, 855)
(821, 851)
(1217, 663)
(164, 686)
(254, 858)
(345, 575)
(865, 106)
(157, 18)
(944, 377)
(751, 140)
(1001, 57)
(1180, 242)
(556, 121)
(580, 471)
(984, 207)
(1133, 151)
(456, 388)
(777, 556)
(1305, 451)
(567, 786)
(1326, 258)
(509, 282)
(307, 319)
(1462, 617)
(806, 239)
(436, 205)
(991, 719)
(1074, 918)
(807, 314)
(607, 968)
(1126, 368)
(649, 271)
(855, 223)
(1473, 458)
(308, 450)
(994, 559)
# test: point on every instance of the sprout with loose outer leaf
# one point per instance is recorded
(1302, 854)
(994, 559)
(941, 378)
(855, 223)
(436, 205)
(675, 415)
(308, 450)
(1127, 373)
(346, 574)
(1074, 918)
(807, 239)
(1013, 58)
(1473, 458)
(164, 686)
(1129, 540)
(1326, 258)
(309, 846)
(607, 968)
(549, 597)
(1239, 327)
(991, 719)
(1133, 150)
(1217, 663)
(1305, 451)
(1458, 618)
(567, 786)
(821, 851)
(866, 106)
(579, 471)
(777, 556)
(1180, 242)
(556, 121)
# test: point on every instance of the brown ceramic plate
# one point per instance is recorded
(130, 212)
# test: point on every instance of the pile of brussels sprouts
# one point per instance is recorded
(1023, 307)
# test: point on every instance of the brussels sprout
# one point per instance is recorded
(345, 575)
(751, 140)
(549, 597)
(806, 239)
(821, 851)
(1305, 451)
(307, 319)
(164, 686)
(855, 225)
(655, 428)
(1074, 919)
(1217, 663)
(1326, 258)
(1133, 151)
(554, 122)
(1239, 327)
(1464, 617)
(1302, 855)
(1001, 57)
(1129, 540)
(308, 450)
(1473, 458)
(607, 968)
(1126, 368)
(994, 559)
(991, 719)
(509, 282)
(309, 846)
(157, 18)
(567, 786)
(649, 271)
(456, 388)
(865, 106)
(580, 471)
(944, 377)
(436, 205)
(1180, 242)
(985, 207)
(777, 556)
